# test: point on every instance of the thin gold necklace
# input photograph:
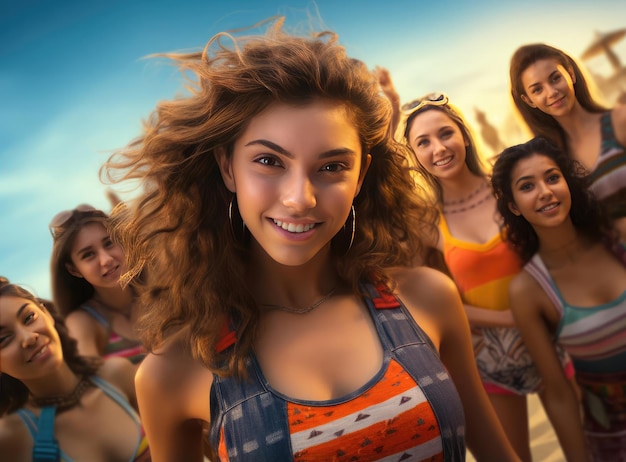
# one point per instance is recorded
(305, 310)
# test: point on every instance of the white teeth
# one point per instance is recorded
(42, 351)
(548, 207)
(445, 161)
(293, 228)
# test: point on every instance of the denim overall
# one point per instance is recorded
(254, 417)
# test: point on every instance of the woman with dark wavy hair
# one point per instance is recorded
(54, 402)
(279, 228)
(572, 293)
(551, 94)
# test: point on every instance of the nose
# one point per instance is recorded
(29, 338)
(438, 146)
(544, 190)
(299, 192)
(105, 258)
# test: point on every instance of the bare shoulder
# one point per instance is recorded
(425, 287)
(121, 373)
(525, 288)
(618, 114)
(15, 441)
(171, 375)
(433, 300)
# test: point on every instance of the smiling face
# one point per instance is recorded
(540, 193)
(295, 171)
(438, 143)
(29, 342)
(95, 257)
(549, 87)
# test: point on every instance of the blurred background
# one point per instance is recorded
(75, 86)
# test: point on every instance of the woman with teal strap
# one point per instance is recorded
(56, 404)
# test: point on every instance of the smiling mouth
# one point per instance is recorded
(443, 162)
(110, 271)
(41, 351)
(294, 228)
(549, 207)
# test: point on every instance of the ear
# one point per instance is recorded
(364, 168)
(225, 164)
(72, 270)
(514, 210)
(527, 100)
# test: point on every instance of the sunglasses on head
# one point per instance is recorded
(61, 218)
(431, 99)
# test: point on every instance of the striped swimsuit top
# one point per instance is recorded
(117, 346)
(595, 337)
(608, 175)
(409, 411)
(41, 428)
(482, 272)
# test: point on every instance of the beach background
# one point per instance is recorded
(75, 84)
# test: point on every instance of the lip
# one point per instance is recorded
(550, 207)
(446, 161)
(558, 103)
(42, 353)
(294, 227)
(112, 272)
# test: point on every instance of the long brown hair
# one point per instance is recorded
(540, 123)
(69, 291)
(178, 228)
(14, 393)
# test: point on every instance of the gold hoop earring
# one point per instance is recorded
(230, 219)
(353, 211)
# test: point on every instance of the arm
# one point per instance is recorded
(173, 395)
(88, 333)
(15, 441)
(531, 309)
(488, 318)
(434, 301)
(386, 85)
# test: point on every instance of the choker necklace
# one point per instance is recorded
(467, 199)
(290, 309)
(64, 402)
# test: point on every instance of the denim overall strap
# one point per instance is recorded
(412, 348)
(242, 407)
(46, 448)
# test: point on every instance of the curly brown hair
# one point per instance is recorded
(178, 228)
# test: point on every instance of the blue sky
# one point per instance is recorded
(74, 85)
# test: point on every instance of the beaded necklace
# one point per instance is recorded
(64, 402)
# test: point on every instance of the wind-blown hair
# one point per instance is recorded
(69, 291)
(587, 214)
(472, 156)
(14, 393)
(538, 122)
(178, 228)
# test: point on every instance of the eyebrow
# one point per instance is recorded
(284, 152)
(84, 249)
(22, 308)
(548, 171)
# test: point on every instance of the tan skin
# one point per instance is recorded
(549, 87)
(97, 259)
(586, 274)
(440, 147)
(334, 349)
(97, 430)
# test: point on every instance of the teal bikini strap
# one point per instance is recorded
(46, 448)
